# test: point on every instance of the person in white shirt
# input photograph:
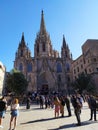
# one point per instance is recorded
(14, 113)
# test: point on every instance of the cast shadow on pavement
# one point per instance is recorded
(41, 120)
(73, 125)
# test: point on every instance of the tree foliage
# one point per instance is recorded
(84, 83)
(16, 82)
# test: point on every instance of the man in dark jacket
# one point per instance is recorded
(77, 108)
(92, 106)
(67, 102)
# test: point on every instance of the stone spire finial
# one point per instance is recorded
(42, 25)
(22, 43)
(64, 42)
(22, 38)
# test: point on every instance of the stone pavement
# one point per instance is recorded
(43, 119)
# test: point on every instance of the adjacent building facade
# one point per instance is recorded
(2, 76)
(46, 72)
(87, 63)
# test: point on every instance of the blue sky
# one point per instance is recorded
(76, 19)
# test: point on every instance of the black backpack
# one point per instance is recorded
(63, 103)
(2, 105)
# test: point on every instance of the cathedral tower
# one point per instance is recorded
(65, 52)
(43, 46)
(23, 53)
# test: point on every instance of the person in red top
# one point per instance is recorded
(56, 106)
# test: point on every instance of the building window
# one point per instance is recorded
(59, 68)
(21, 53)
(84, 61)
(77, 69)
(81, 66)
(44, 47)
(29, 67)
(75, 77)
(67, 67)
(74, 71)
(97, 69)
(94, 59)
(66, 54)
(21, 67)
(37, 48)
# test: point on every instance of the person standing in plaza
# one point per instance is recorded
(56, 106)
(3, 107)
(67, 102)
(92, 106)
(41, 102)
(62, 104)
(14, 113)
(28, 101)
(77, 108)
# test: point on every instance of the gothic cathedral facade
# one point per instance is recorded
(46, 72)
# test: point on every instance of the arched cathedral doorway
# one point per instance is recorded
(43, 84)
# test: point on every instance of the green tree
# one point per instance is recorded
(84, 83)
(16, 82)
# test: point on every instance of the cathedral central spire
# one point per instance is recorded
(64, 42)
(22, 38)
(42, 25)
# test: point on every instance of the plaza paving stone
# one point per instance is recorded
(43, 119)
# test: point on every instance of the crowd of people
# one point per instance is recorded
(55, 102)
(58, 102)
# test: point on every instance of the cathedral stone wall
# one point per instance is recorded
(46, 71)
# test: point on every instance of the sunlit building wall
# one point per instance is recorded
(2, 76)
(87, 63)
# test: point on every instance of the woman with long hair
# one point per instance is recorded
(14, 113)
(56, 106)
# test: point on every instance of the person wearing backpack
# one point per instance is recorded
(3, 107)
(77, 108)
